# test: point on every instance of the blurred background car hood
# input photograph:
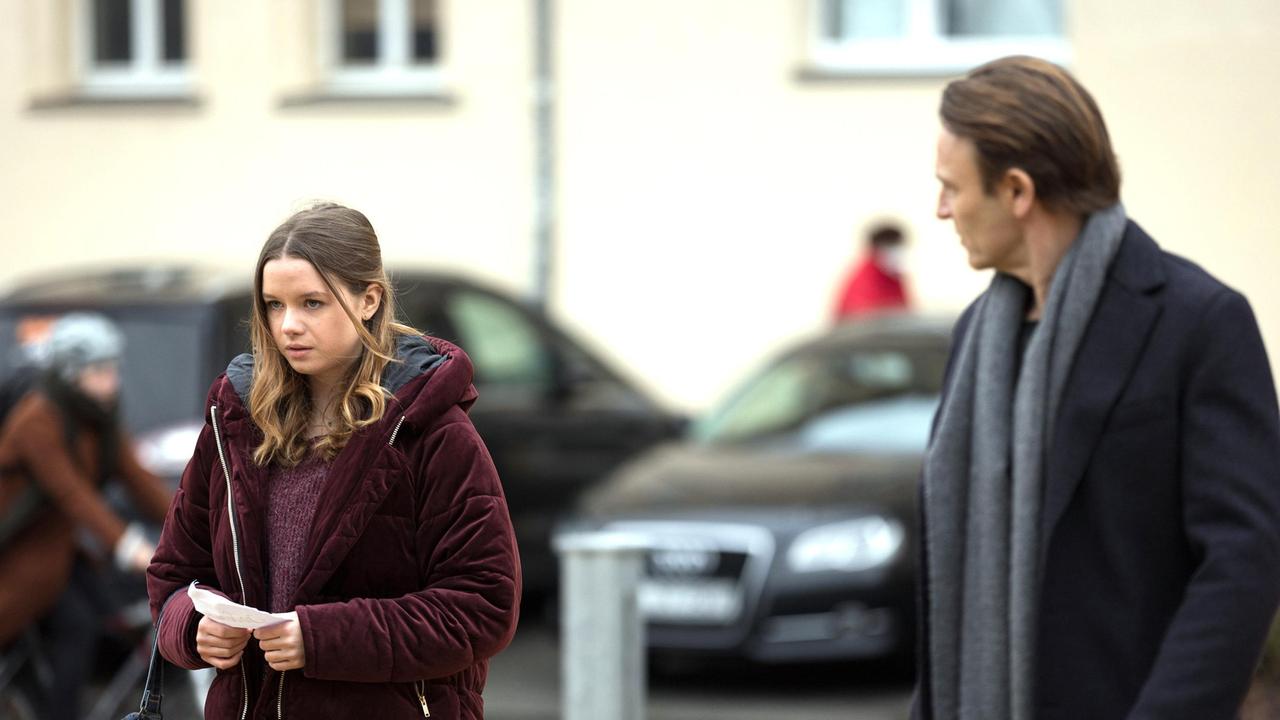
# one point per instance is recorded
(692, 477)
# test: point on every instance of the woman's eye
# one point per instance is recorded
(274, 304)
(314, 304)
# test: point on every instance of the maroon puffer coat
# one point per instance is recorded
(411, 580)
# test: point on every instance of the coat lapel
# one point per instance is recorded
(361, 477)
(1112, 346)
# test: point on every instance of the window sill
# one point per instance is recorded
(816, 74)
(372, 97)
(84, 100)
(916, 59)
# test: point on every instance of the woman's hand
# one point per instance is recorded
(220, 645)
(282, 644)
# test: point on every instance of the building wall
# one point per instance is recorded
(1194, 114)
(713, 199)
(709, 199)
(445, 183)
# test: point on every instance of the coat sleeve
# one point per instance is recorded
(1230, 478)
(46, 455)
(467, 609)
(147, 490)
(184, 554)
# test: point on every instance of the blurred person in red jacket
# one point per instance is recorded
(338, 480)
(59, 445)
(876, 282)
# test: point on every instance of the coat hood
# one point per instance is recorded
(428, 377)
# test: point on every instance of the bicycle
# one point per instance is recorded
(26, 675)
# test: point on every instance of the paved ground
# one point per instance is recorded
(524, 685)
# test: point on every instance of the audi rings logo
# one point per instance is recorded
(684, 561)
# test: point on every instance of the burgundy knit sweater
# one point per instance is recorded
(292, 494)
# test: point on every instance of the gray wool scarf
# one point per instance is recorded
(984, 478)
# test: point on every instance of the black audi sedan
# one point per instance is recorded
(555, 417)
(784, 528)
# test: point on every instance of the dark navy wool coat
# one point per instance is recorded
(412, 578)
(1161, 521)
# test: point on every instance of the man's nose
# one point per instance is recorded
(944, 209)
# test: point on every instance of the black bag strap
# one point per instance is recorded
(153, 688)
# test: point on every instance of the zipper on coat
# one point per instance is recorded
(420, 686)
(244, 683)
(231, 507)
(396, 432)
(235, 541)
(280, 698)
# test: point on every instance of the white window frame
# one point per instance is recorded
(394, 72)
(924, 50)
(147, 74)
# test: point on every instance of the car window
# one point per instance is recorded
(592, 385)
(503, 343)
(774, 402)
(850, 399)
(896, 425)
(163, 377)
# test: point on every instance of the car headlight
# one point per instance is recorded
(849, 546)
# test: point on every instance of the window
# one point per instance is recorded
(134, 47)
(504, 345)
(380, 46)
(925, 37)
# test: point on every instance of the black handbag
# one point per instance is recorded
(153, 689)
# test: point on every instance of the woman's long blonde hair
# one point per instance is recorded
(341, 245)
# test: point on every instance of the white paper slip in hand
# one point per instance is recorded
(226, 612)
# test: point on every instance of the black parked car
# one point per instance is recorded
(555, 417)
(784, 529)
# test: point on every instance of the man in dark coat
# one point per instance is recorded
(1101, 493)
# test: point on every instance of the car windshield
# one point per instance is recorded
(164, 365)
(867, 400)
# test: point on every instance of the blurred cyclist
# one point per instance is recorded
(58, 446)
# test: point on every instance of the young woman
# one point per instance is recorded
(339, 480)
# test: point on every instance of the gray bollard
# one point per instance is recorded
(602, 649)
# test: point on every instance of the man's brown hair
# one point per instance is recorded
(1023, 112)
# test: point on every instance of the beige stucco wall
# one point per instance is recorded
(1191, 94)
(700, 165)
(445, 184)
(709, 199)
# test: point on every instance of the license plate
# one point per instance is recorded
(689, 601)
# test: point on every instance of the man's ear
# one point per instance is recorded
(1019, 191)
